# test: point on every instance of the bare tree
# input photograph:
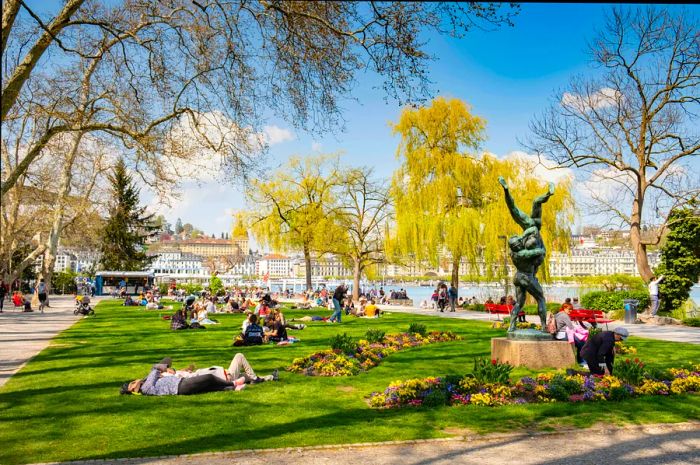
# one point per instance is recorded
(364, 208)
(634, 127)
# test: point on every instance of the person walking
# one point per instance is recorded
(41, 293)
(3, 293)
(452, 294)
(338, 297)
(654, 293)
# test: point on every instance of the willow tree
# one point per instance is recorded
(294, 209)
(448, 202)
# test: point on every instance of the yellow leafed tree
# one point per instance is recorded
(449, 202)
(295, 208)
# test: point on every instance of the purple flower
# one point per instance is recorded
(588, 383)
(528, 380)
(519, 400)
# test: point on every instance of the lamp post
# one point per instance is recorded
(505, 263)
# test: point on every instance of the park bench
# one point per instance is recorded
(499, 309)
(589, 316)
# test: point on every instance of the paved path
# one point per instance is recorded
(676, 333)
(23, 335)
(677, 444)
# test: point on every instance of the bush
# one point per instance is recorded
(191, 288)
(531, 309)
(216, 286)
(491, 371)
(344, 343)
(163, 288)
(435, 398)
(561, 388)
(417, 328)
(695, 322)
(374, 335)
(614, 301)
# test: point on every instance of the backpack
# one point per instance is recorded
(551, 325)
(253, 335)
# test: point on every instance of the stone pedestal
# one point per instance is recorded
(533, 354)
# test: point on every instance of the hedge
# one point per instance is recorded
(614, 301)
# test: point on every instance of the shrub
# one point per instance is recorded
(695, 322)
(191, 288)
(344, 343)
(492, 371)
(611, 301)
(418, 328)
(435, 398)
(374, 335)
(630, 371)
(658, 374)
(163, 288)
(561, 387)
(531, 309)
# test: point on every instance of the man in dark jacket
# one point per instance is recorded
(600, 349)
(338, 297)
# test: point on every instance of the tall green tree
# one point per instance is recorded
(178, 226)
(127, 227)
(448, 202)
(680, 257)
(295, 208)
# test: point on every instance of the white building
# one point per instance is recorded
(275, 266)
(70, 259)
(179, 266)
(596, 261)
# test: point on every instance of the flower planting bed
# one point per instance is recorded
(634, 380)
(364, 355)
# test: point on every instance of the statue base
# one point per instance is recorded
(533, 354)
(529, 335)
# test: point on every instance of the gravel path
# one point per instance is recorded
(23, 335)
(677, 444)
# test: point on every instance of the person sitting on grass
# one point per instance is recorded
(155, 384)
(253, 334)
(371, 310)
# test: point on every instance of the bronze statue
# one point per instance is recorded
(527, 252)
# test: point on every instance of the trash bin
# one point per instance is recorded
(631, 310)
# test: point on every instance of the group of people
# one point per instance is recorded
(595, 352)
(163, 380)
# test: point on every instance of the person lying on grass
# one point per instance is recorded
(155, 384)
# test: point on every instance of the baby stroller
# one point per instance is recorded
(82, 306)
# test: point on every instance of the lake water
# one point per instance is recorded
(552, 293)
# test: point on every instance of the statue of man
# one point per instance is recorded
(527, 252)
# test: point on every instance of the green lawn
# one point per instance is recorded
(65, 405)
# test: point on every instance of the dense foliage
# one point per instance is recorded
(127, 227)
(612, 301)
(680, 258)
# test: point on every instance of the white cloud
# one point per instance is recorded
(603, 98)
(316, 146)
(276, 135)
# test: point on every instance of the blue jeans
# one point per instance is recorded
(337, 312)
(654, 304)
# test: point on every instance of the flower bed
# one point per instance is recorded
(366, 355)
(542, 388)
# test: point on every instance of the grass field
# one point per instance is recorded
(65, 404)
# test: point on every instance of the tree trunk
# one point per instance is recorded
(640, 249)
(57, 223)
(455, 271)
(356, 272)
(307, 264)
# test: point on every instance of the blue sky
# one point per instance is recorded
(508, 76)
